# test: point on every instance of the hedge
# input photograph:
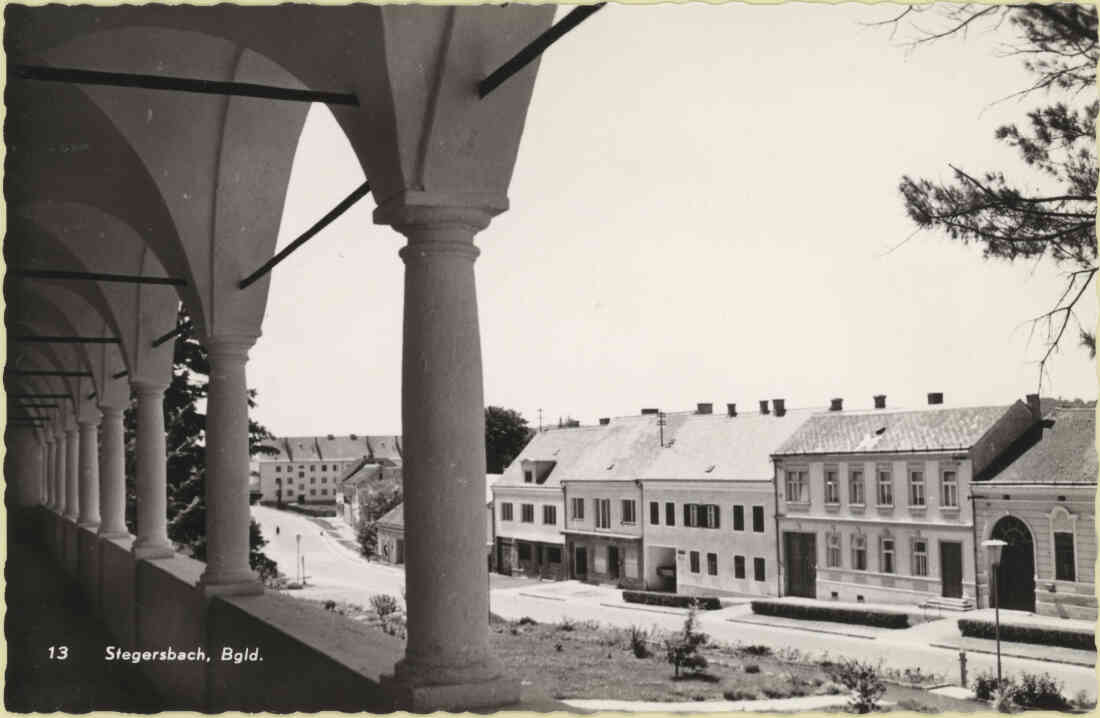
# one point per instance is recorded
(861, 616)
(654, 598)
(979, 628)
(311, 510)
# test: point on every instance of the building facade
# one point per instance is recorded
(873, 506)
(1040, 499)
(309, 469)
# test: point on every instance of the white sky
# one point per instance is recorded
(703, 209)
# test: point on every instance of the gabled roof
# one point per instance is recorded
(336, 448)
(885, 431)
(696, 446)
(395, 518)
(1061, 449)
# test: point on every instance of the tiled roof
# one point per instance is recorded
(886, 431)
(338, 448)
(697, 446)
(1062, 449)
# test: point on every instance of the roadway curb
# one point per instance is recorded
(1014, 655)
(640, 608)
(535, 595)
(803, 628)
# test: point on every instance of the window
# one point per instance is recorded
(670, 513)
(691, 515)
(855, 487)
(313, 479)
(324, 479)
(313, 467)
(603, 513)
(738, 518)
(1065, 568)
(577, 508)
(758, 569)
(738, 566)
(796, 487)
(949, 489)
(654, 513)
(758, 519)
(550, 515)
(528, 476)
(553, 554)
(888, 556)
(313, 492)
(506, 512)
(713, 516)
(916, 487)
(694, 561)
(920, 558)
(324, 492)
(885, 487)
(527, 513)
(278, 469)
(628, 516)
(832, 487)
(712, 564)
(301, 474)
(832, 550)
(524, 551)
(859, 553)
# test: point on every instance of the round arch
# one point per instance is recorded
(1016, 575)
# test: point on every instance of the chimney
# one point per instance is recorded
(731, 409)
(605, 421)
(780, 409)
(935, 398)
(1033, 404)
(836, 405)
(646, 412)
(880, 401)
(702, 408)
(763, 406)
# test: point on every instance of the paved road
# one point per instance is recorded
(338, 573)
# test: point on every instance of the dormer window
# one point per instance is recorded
(528, 476)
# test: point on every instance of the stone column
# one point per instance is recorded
(72, 472)
(51, 501)
(112, 476)
(447, 657)
(152, 474)
(227, 512)
(89, 474)
(59, 467)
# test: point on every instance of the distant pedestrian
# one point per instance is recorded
(276, 530)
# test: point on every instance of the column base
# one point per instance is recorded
(90, 525)
(112, 534)
(151, 552)
(453, 697)
(252, 587)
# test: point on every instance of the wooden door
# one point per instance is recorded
(613, 561)
(801, 559)
(951, 571)
(580, 563)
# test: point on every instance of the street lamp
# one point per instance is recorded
(993, 549)
(299, 561)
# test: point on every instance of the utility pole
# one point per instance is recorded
(661, 425)
(540, 421)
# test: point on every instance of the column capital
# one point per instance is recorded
(89, 420)
(147, 387)
(110, 411)
(230, 346)
(412, 210)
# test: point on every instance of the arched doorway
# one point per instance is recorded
(1016, 577)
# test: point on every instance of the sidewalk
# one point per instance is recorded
(767, 705)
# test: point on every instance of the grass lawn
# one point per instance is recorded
(585, 660)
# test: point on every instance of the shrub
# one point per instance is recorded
(656, 598)
(1040, 691)
(863, 616)
(911, 704)
(394, 624)
(330, 605)
(566, 624)
(383, 604)
(527, 621)
(1082, 701)
(863, 680)
(1004, 698)
(756, 649)
(682, 650)
(740, 694)
(985, 685)
(1043, 635)
(752, 668)
(639, 642)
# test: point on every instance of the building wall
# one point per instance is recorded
(625, 535)
(725, 542)
(315, 478)
(1044, 508)
(388, 544)
(631, 564)
(536, 530)
(903, 522)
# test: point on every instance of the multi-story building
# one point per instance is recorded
(1039, 497)
(709, 502)
(307, 469)
(873, 505)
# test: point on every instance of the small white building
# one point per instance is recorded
(308, 469)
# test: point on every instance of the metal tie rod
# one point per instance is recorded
(37, 406)
(179, 84)
(95, 276)
(180, 329)
(38, 396)
(45, 372)
(522, 58)
(325, 221)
